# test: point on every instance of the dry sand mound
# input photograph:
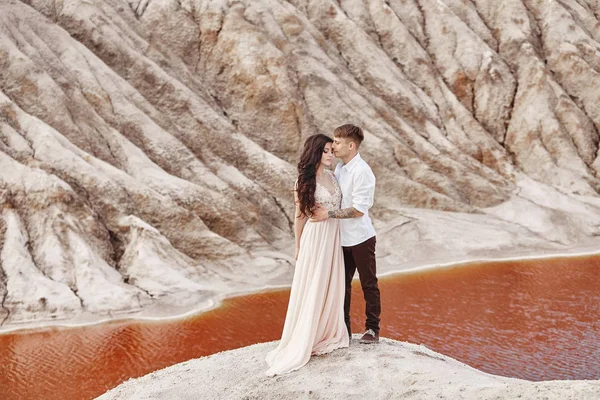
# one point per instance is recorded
(389, 370)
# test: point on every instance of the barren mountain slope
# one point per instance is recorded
(148, 148)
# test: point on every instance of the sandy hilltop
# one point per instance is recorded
(389, 370)
(148, 148)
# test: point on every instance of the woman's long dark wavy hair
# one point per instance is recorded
(307, 172)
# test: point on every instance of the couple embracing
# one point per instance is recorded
(334, 239)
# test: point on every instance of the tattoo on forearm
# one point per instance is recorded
(346, 213)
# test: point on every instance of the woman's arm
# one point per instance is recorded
(299, 221)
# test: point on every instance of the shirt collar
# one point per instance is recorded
(352, 163)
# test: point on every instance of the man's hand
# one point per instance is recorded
(320, 214)
(297, 252)
(345, 213)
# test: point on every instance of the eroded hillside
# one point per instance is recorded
(148, 148)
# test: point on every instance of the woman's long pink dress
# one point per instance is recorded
(314, 323)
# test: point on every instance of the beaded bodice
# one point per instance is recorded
(331, 201)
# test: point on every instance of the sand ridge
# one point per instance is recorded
(388, 370)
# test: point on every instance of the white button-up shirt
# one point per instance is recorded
(358, 189)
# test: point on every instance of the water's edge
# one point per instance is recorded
(158, 312)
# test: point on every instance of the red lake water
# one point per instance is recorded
(533, 319)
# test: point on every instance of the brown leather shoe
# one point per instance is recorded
(369, 337)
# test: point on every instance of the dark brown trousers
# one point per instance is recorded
(362, 258)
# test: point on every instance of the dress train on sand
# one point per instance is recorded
(314, 323)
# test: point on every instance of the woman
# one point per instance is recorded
(314, 323)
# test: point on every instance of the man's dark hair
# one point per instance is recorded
(352, 132)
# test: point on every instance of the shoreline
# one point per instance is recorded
(81, 321)
(576, 252)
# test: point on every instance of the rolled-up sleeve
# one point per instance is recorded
(363, 190)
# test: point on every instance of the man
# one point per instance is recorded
(357, 183)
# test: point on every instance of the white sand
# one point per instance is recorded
(389, 370)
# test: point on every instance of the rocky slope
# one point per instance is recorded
(148, 148)
(389, 370)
